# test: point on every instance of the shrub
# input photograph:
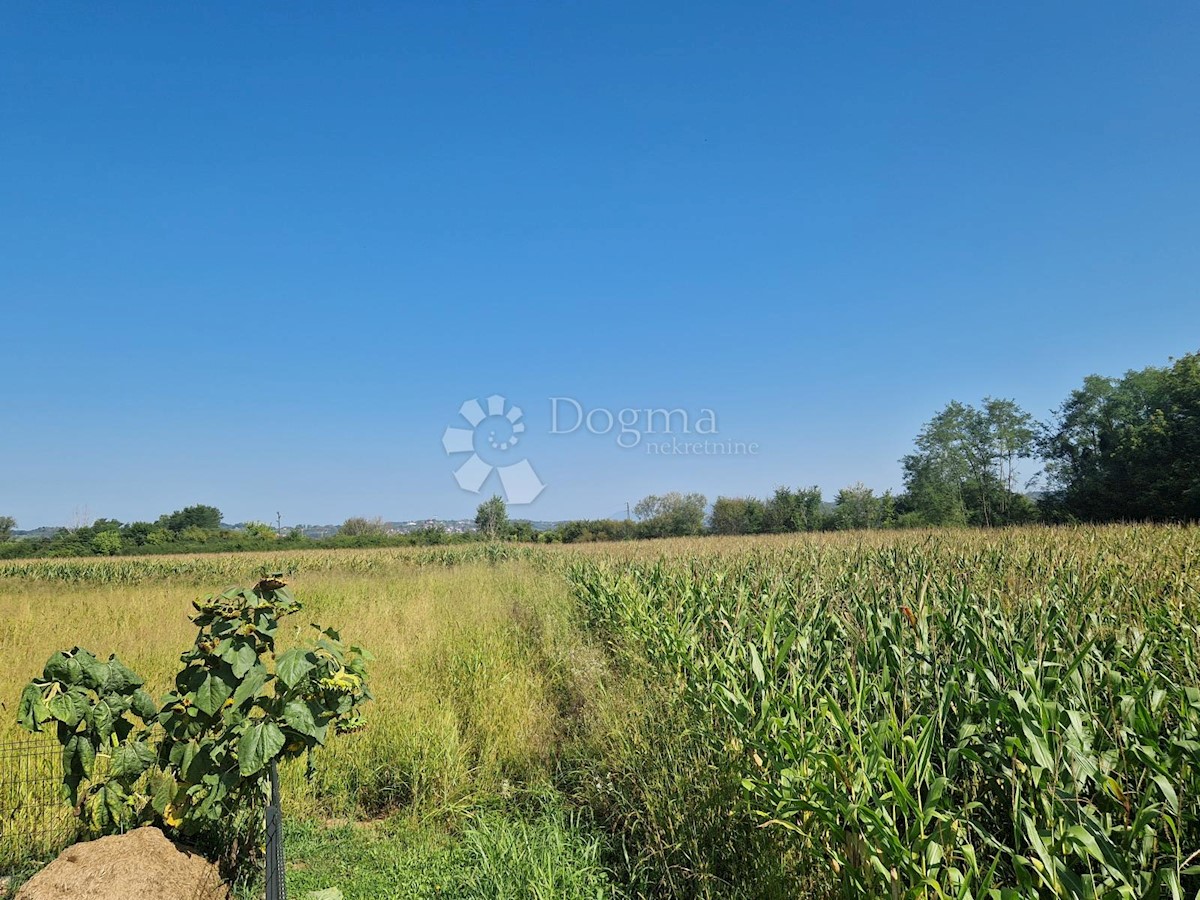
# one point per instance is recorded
(197, 761)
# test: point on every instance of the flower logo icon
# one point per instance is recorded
(495, 431)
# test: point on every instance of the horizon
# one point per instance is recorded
(260, 258)
(85, 519)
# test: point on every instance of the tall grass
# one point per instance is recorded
(478, 667)
(545, 859)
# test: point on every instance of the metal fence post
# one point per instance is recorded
(276, 882)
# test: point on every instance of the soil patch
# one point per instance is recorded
(139, 865)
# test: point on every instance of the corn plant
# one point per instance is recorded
(965, 716)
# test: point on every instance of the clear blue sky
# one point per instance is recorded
(257, 255)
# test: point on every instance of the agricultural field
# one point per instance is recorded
(1006, 713)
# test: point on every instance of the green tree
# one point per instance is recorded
(738, 515)
(857, 507)
(585, 530)
(260, 530)
(137, 533)
(491, 518)
(522, 530)
(199, 516)
(1011, 437)
(107, 543)
(1126, 448)
(789, 510)
(671, 515)
(358, 526)
(194, 534)
(964, 466)
(432, 533)
(7, 524)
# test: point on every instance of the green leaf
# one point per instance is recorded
(63, 708)
(198, 762)
(182, 753)
(368, 656)
(1168, 792)
(95, 673)
(109, 804)
(120, 676)
(78, 756)
(130, 760)
(32, 711)
(299, 717)
(212, 694)
(118, 704)
(756, 665)
(260, 744)
(293, 665)
(61, 667)
(143, 706)
(101, 720)
(243, 660)
(250, 685)
(163, 789)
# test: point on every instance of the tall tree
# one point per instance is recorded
(963, 469)
(207, 518)
(857, 507)
(360, 526)
(1129, 447)
(798, 510)
(7, 524)
(671, 515)
(737, 515)
(491, 517)
(1012, 437)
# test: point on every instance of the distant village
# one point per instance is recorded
(450, 526)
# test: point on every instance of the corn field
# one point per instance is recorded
(963, 714)
(232, 567)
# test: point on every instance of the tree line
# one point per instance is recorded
(1117, 449)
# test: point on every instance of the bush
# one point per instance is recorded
(197, 761)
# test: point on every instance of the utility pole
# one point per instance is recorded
(279, 524)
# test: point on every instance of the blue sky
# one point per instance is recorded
(258, 255)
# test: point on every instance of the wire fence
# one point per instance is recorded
(37, 823)
(35, 820)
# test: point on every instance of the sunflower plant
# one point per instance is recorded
(198, 760)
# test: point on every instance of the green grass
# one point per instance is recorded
(496, 855)
(396, 858)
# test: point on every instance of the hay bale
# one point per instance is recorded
(140, 865)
